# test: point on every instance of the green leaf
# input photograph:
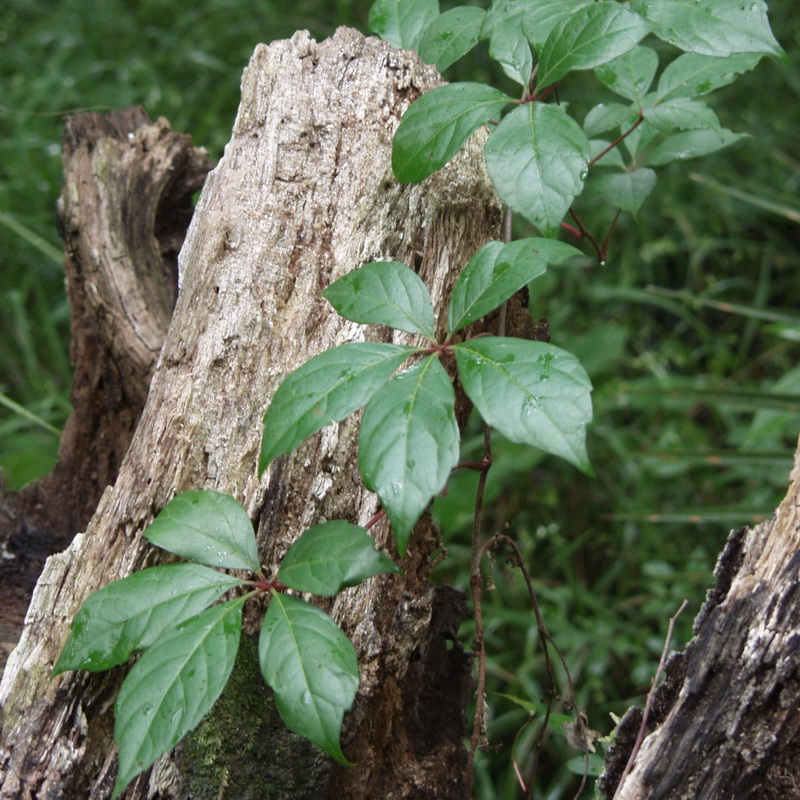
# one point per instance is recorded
(173, 686)
(528, 705)
(209, 527)
(683, 113)
(331, 556)
(691, 144)
(625, 190)
(408, 443)
(402, 22)
(327, 388)
(436, 126)
(690, 75)
(712, 27)
(592, 36)
(451, 36)
(613, 158)
(312, 668)
(509, 47)
(539, 19)
(384, 293)
(498, 270)
(132, 613)
(537, 159)
(631, 74)
(532, 392)
(606, 116)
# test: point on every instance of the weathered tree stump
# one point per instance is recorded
(303, 194)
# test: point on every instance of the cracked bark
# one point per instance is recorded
(303, 194)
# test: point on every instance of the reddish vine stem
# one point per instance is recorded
(475, 581)
(619, 139)
(649, 703)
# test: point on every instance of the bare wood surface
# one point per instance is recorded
(303, 194)
(727, 725)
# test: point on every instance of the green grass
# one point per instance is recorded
(690, 333)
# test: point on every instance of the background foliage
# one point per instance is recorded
(689, 331)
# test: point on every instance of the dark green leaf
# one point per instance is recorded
(532, 392)
(209, 527)
(537, 159)
(691, 144)
(625, 190)
(384, 293)
(312, 668)
(408, 443)
(451, 36)
(607, 116)
(402, 22)
(327, 388)
(436, 126)
(509, 47)
(173, 686)
(132, 613)
(712, 27)
(690, 75)
(539, 19)
(498, 270)
(592, 36)
(330, 556)
(631, 74)
(681, 113)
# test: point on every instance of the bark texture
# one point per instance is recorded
(303, 194)
(726, 723)
(123, 215)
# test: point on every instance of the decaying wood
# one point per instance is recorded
(303, 194)
(121, 233)
(727, 723)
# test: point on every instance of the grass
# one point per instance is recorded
(689, 331)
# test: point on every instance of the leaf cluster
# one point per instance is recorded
(188, 646)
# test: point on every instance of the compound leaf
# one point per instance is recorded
(533, 393)
(712, 27)
(133, 613)
(408, 443)
(498, 270)
(312, 668)
(327, 388)
(451, 36)
(209, 527)
(402, 22)
(537, 159)
(173, 686)
(436, 126)
(384, 293)
(588, 38)
(331, 556)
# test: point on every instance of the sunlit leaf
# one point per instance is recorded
(408, 443)
(531, 392)
(402, 22)
(712, 27)
(327, 388)
(209, 527)
(498, 270)
(592, 36)
(331, 556)
(537, 159)
(451, 36)
(132, 613)
(312, 668)
(384, 293)
(436, 126)
(173, 686)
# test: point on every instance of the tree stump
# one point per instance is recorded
(303, 194)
